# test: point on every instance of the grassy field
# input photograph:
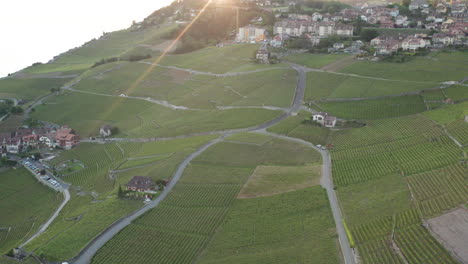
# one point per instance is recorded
(274, 87)
(25, 205)
(185, 222)
(271, 180)
(313, 60)
(423, 69)
(375, 108)
(294, 227)
(329, 85)
(28, 89)
(137, 118)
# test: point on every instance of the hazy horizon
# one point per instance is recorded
(36, 32)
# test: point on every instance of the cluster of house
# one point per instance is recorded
(451, 18)
(385, 45)
(24, 138)
(284, 29)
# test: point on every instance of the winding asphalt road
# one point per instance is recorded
(66, 195)
(92, 248)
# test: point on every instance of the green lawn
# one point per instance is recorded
(313, 60)
(25, 204)
(329, 85)
(436, 67)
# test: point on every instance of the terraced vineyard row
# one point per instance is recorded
(185, 221)
(165, 242)
(378, 251)
(11, 236)
(376, 108)
(459, 130)
(384, 131)
(412, 155)
(419, 247)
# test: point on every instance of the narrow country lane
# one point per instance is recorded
(327, 183)
(86, 255)
(90, 250)
(66, 195)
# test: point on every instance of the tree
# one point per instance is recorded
(120, 192)
(115, 130)
(368, 34)
(358, 26)
(405, 2)
(43, 172)
(16, 110)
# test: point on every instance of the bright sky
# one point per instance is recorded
(35, 30)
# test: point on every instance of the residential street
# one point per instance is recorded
(90, 250)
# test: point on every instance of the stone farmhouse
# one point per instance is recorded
(324, 119)
(141, 184)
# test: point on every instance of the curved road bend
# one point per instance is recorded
(91, 249)
(327, 183)
(66, 195)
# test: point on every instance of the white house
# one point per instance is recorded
(324, 119)
(413, 43)
(13, 145)
(105, 131)
(47, 141)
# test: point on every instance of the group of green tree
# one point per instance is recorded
(7, 106)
